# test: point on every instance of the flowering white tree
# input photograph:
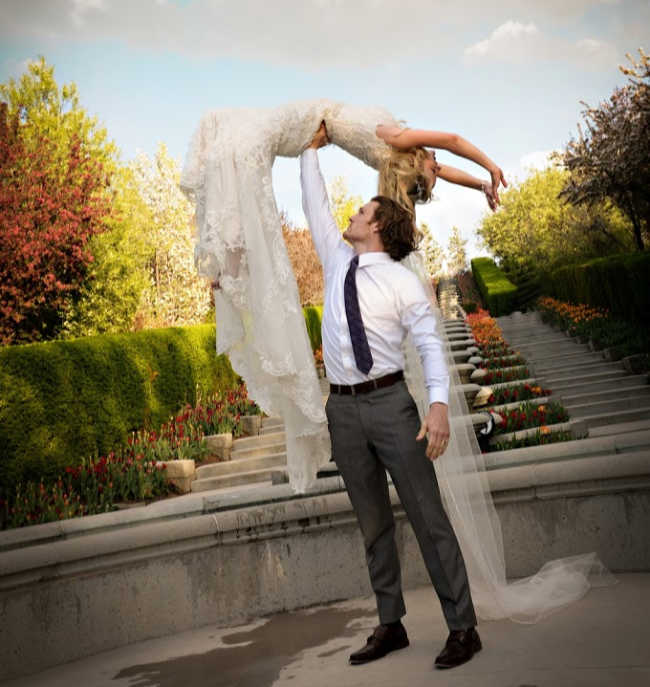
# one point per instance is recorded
(457, 254)
(434, 254)
(176, 294)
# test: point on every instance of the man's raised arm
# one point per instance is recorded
(315, 202)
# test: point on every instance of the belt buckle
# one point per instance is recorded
(374, 383)
(353, 391)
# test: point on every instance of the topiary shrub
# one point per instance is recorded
(498, 292)
(64, 400)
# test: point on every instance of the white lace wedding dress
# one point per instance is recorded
(260, 326)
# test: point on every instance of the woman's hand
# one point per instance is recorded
(497, 178)
(215, 284)
(491, 197)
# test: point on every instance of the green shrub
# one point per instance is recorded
(62, 401)
(313, 316)
(498, 292)
(620, 283)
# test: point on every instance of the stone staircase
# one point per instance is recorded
(612, 404)
(599, 392)
(254, 461)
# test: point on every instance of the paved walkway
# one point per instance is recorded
(603, 640)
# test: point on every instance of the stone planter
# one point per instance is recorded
(180, 473)
(636, 364)
(251, 425)
(594, 345)
(464, 372)
(612, 354)
(220, 445)
(478, 376)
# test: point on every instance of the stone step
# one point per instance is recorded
(272, 424)
(554, 380)
(603, 368)
(541, 337)
(270, 437)
(535, 350)
(614, 394)
(595, 387)
(631, 415)
(560, 367)
(563, 450)
(579, 410)
(239, 478)
(575, 355)
(257, 451)
(619, 428)
(231, 467)
(528, 330)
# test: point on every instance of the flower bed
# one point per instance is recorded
(529, 415)
(507, 375)
(498, 362)
(517, 392)
(135, 472)
(543, 436)
(597, 326)
(485, 329)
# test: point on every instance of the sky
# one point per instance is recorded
(507, 75)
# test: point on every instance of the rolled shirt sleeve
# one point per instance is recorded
(418, 319)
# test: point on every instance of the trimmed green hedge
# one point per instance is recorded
(620, 283)
(313, 316)
(497, 291)
(61, 401)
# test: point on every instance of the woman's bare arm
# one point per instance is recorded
(409, 138)
(457, 176)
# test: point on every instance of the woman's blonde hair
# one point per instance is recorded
(402, 177)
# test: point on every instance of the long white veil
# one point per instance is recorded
(465, 489)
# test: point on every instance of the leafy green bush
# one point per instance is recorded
(313, 316)
(620, 283)
(63, 401)
(498, 292)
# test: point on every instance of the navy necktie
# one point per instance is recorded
(360, 346)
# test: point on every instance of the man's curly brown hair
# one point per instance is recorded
(396, 228)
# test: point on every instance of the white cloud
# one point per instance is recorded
(500, 42)
(517, 41)
(15, 68)
(309, 33)
(539, 159)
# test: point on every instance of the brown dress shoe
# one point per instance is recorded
(384, 639)
(460, 647)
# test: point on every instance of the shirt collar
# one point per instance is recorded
(374, 257)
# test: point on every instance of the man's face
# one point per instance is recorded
(362, 226)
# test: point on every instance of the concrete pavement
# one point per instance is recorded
(602, 640)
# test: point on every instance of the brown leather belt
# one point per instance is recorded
(365, 387)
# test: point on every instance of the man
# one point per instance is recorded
(371, 302)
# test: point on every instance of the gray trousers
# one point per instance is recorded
(375, 432)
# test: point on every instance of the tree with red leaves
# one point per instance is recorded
(49, 208)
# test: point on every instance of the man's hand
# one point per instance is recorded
(436, 425)
(320, 137)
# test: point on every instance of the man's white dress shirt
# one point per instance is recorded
(392, 300)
